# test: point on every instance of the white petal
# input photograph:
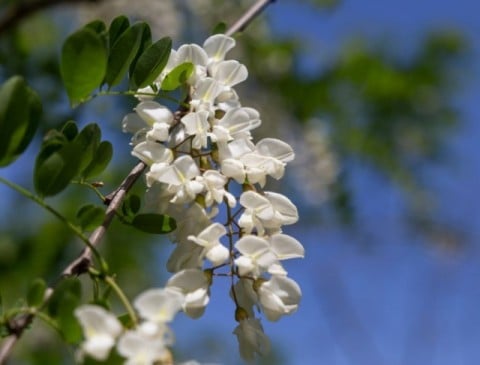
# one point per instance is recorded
(159, 305)
(286, 247)
(284, 207)
(229, 73)
(132, 123)
(216, 46)
(252, 246)
(218, 254)
(275, 148)
(152, 112)
(152, 152)
(234, 169)
(192, 53)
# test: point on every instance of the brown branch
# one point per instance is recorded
(19, 11)
(114, 200)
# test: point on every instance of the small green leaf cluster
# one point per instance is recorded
(94, 56)
(67, 154)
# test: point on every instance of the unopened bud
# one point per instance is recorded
(241, 314)
(209, 274)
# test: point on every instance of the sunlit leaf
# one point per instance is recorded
(154, 223)
(83, 64)
(122, 53)
(151, 63)
(178, 76)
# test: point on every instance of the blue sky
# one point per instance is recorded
(396, 300)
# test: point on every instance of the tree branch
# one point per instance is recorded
(19, 11)
(114, 200)
(249, 15)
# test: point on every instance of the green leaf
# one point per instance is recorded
(20, 108)
(178, 76)
(100, 161)
(118, 25)
(154, 223)
(86, 143)
(151, 63)
(145, 43)
(131, 205)
(55, 166)
(98, 26)
(90, 217)
(67, 286)
(122, 53)
(83, 64)
(70, 130)
(67, 322)
(220, 28)
(36, 293)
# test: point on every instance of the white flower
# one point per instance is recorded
(236, 124)
(251, 339)
(270, 211)
(193, 284)
(214, 183)
(186, 255)
(157, 116)
(158, 305)
(100, 328)
(142, 349)
(179, 175)
(286, 247)
(256, 255)
(217, 46)
(245, 296)
(279, 296)
(229, 73)
(209, 239)
(196, 124)
(152, 152)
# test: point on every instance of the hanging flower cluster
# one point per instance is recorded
(205, 171)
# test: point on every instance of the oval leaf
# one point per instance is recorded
(122, 53)
(87, 143)
(100, 160)
(67, 322)
(178, 76)
(152, 62)
(83, 64)
(20, 108)
(55, 167)
(36, 293)
(154, 223)
(131, 205)
(70, 286)
(118, 25)
(70, 130)
(90, 217)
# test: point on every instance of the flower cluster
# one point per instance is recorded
(205, 171)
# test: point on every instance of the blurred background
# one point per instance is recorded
(379, 100)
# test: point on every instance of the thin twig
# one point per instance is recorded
(114, 200)
(21, 10)
(249, 15)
